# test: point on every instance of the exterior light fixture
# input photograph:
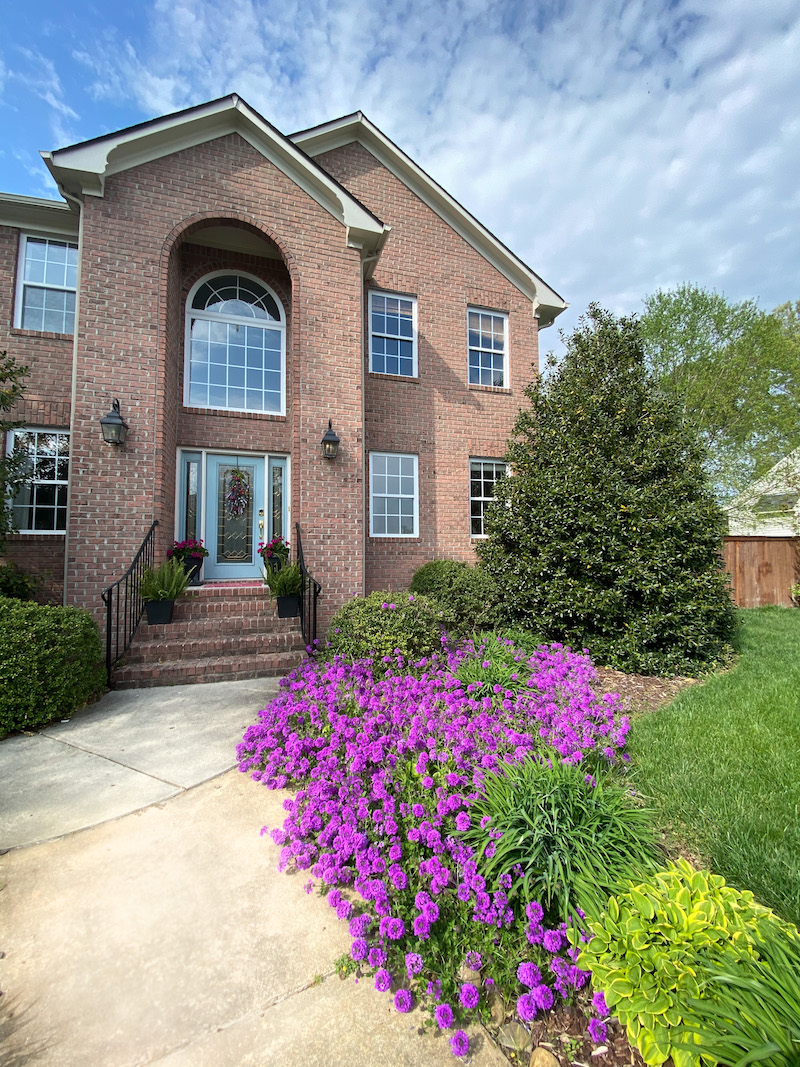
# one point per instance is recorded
(115, 428)
(330, 443)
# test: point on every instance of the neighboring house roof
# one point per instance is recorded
(770, 507)
(357, 127)
(82, 169)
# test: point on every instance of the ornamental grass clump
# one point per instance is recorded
(577, 838)
(387, 764)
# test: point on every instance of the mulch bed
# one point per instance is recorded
(640, 692)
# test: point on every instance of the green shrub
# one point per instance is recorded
(607, 536)
(385, 623)
(577, 843)
(167, 582)
(464, 592)
(15, 583)
(51, 662)
(658, 945)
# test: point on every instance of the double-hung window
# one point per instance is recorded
(40, 506)
(488, 348)
(393, 495)
(393, 334)
(483, 475)
(48, 275)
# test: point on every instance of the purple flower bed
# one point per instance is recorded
(386, 766)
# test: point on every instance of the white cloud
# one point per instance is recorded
(618, 146)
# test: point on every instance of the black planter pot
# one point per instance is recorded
(288, 606)
(159, 612)
(192, 567)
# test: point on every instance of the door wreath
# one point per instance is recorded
(238, 496)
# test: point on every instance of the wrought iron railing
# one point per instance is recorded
(308, 598)
(124, 604)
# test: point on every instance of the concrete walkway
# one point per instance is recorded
(161, 932)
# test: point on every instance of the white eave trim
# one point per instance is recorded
(33, 215)
(357, 127)
(83, 168)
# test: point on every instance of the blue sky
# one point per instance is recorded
(618, 147)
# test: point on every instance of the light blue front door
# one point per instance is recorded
(232, 531)
(232, 528)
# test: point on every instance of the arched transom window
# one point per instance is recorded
(236, 346)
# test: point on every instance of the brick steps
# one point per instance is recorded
(217, 633)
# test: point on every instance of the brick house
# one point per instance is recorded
(236, 289)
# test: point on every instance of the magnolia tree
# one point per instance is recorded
(605, 534)
(12, 474)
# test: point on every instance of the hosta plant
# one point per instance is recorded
(577, 838)
(655, 946)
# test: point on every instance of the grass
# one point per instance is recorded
(721, 764)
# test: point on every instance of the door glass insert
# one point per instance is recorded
(277, 471)
(190, 503)
(235, 515)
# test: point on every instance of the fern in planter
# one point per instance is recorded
(161, 587)
(286, 581)
(167, 582)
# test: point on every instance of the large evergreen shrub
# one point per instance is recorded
(607, 536)
(51, 662)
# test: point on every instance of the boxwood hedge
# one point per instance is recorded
(51, 662)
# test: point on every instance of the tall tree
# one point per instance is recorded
(605, 535)
(12, 472)
(734, 371)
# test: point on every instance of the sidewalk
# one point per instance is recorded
(167, 936)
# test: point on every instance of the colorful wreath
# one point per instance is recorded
(238, 495)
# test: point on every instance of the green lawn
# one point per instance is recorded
(721, 764)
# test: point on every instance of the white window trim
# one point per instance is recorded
(10, 437)
(21, 283)
(396, 296)
(481, 459)
(209, 317)
(506, 362)
(400, 455)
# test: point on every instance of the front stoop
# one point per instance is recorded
(218, 633)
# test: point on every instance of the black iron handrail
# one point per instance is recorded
(308, 599)
(124, 604)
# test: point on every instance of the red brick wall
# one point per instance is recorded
(46, 403)
(131, 329)
(437, 416)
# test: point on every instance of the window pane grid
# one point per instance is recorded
(393, 497)
(392, 335)
(484, 474)
(49, 278)
(41, 504)
(487, 348)
(234, 366)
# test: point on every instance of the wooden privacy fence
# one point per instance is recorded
(762, 569)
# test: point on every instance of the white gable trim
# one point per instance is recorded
(82, 169)
(357, 127)
(33, 215)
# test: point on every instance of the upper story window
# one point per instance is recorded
(47, 279)
(235, 346)
(393, 334)
(488, 348)
(40, 506)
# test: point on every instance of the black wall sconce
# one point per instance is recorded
(115, 428)
(330, 443)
